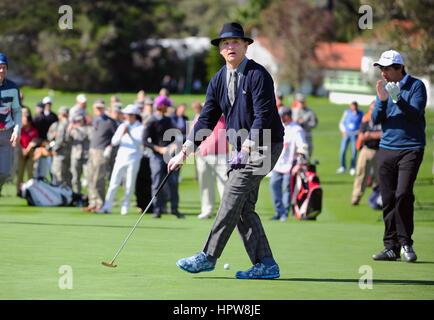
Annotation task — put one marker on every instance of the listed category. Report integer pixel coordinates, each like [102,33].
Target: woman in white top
[128,137]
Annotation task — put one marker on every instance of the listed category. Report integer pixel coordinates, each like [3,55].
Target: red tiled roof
[336,55]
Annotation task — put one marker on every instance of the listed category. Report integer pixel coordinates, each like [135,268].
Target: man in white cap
[42,122]
[128,137]
[79,108]
[400,109]
[46,118]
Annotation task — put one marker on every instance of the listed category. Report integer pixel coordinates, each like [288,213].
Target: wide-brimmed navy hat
[231,30]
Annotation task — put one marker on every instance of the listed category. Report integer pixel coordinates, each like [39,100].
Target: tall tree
[96,53]
[297,26]
[406,26]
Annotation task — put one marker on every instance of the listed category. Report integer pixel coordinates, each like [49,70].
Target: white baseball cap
[81,98]
[131,109]
[47,100]
[388,58]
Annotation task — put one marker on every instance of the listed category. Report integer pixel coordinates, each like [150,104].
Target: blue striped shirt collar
[404,80]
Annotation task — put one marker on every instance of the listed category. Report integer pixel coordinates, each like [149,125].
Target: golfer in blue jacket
[400,109]
[244,92]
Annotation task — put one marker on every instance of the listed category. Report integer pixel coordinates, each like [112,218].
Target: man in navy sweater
[244,92]
[400,109]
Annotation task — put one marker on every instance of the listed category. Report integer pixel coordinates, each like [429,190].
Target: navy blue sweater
[403,122]
[254,108]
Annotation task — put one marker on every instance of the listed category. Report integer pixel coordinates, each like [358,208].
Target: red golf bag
[306,191]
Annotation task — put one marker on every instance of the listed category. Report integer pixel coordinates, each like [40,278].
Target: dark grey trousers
[6,156]
[237,208]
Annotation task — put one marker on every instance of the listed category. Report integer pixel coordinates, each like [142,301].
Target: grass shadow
[88,225]
[332,280]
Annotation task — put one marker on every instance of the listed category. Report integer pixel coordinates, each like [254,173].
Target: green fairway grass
[318,259]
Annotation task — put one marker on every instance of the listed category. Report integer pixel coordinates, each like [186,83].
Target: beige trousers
[366,164]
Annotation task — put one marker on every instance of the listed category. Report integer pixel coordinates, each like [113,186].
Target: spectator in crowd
[164,92]
[211,163]
[116,113]
[170,111]
[368,142]
[80,134]
[104,128]
[349,126]
[294,143]
[129,137]
[60,146]
[45,119]
[154,138]
[80,108]
[306,118]
[113,101]
[180,120]
[28,142]
[141,96]
[10,121]
[42,122]
[143,188]
[400,109]
[148,109]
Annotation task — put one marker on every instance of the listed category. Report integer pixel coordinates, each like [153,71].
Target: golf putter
[111,264]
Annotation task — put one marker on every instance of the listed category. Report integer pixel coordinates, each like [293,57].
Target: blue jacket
[403,122]
[351,121]
[254,108]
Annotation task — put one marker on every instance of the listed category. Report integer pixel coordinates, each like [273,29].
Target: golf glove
[239,160]
[393,89]
[177,161]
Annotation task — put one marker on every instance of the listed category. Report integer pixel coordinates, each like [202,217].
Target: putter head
[109,264]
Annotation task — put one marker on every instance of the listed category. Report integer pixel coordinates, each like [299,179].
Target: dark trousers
[397,171]
[169,191]
[144,185]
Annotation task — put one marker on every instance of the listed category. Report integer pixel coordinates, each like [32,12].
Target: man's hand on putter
[177,161]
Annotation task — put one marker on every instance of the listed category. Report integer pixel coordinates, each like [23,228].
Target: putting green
[318,260]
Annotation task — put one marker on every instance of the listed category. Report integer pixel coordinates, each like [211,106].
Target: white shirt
[130,144]
[294,141]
